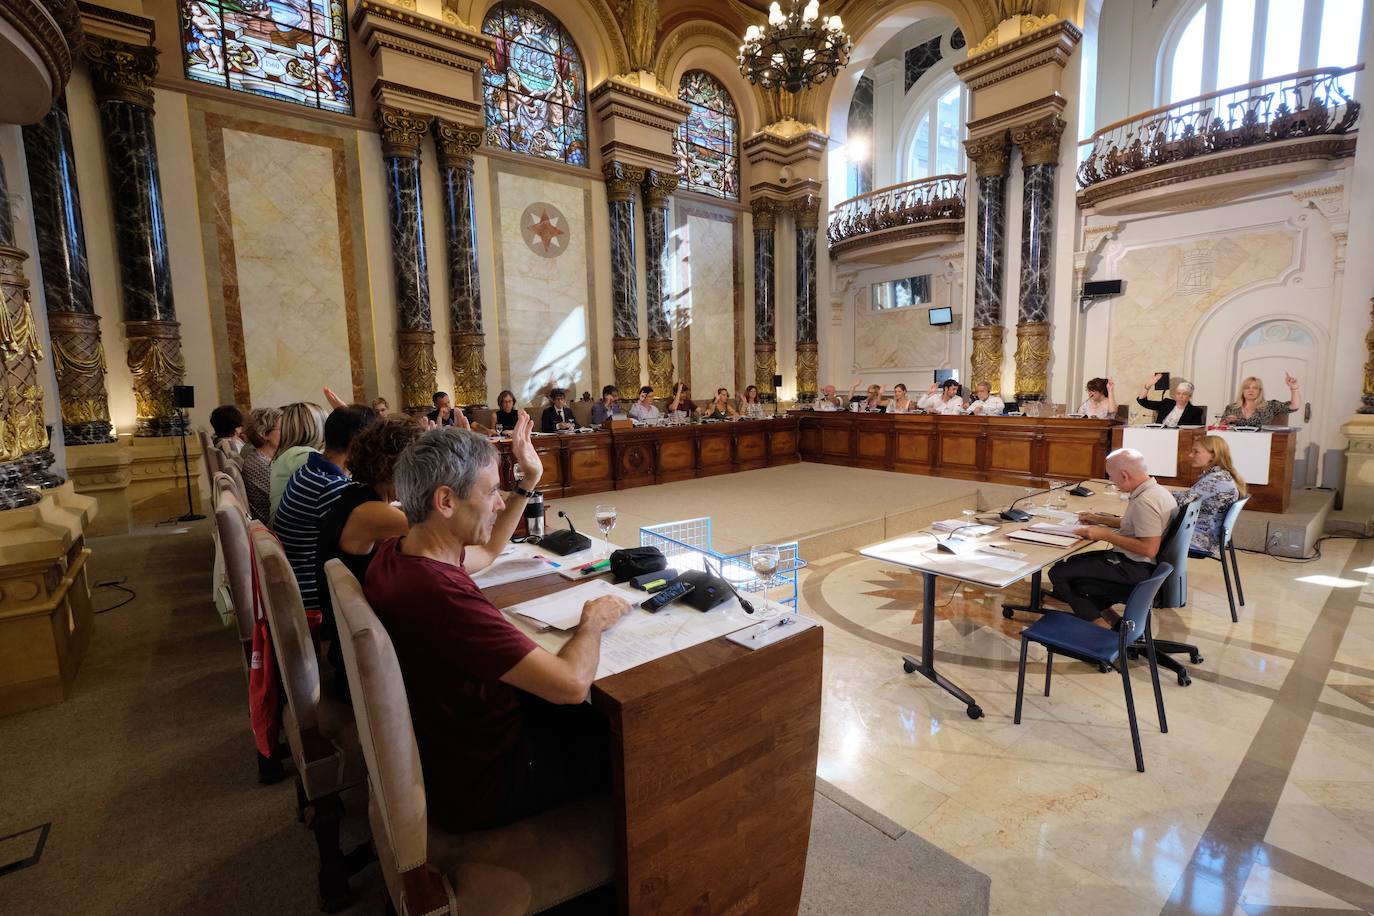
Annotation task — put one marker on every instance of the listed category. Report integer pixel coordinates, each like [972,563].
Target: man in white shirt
[828,399]
[943,399]
[644,408]
[986,404]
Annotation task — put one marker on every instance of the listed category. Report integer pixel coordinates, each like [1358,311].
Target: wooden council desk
[1169,461]
[713,755]
[1024,451]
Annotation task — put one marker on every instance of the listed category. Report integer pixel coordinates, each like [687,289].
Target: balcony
[894,223]
[1285,126]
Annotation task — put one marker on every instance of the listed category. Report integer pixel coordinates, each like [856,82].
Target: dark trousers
[1090,582]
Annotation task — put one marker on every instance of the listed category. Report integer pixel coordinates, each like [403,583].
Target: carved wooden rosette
[986,361]
[21,399]
[469,353]
[660,366]
[990,155]
[765,366]
[808,368]
[157,365]
[78,358]
[1039,140]
[402,131]
[419,371]
[122,72]
[625,353]
[1032,359]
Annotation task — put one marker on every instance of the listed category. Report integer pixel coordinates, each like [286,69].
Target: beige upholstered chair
[485,416]
[525,867]
[230,480]
[319,729]
[207,456]
[582,412]
[232,524]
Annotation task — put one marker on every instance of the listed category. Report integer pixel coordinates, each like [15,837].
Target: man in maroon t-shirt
[501,725]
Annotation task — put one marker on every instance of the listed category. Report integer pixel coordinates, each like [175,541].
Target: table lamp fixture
[796,49]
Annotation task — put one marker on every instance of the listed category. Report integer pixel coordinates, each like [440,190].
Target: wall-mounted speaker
[1097,289]
[184,395]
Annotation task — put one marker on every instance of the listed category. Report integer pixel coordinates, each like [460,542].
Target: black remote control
[668,594]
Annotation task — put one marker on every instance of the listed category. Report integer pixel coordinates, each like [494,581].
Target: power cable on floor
[1316,548]
[118,585]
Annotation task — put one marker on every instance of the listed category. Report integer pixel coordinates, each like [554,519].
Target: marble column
[1039,144]
[990,156]
[24,454]
[765,343]
[123,77]
[78,356]
[467,339]
[658,192]
[402,132]
[806,211]
[622,182]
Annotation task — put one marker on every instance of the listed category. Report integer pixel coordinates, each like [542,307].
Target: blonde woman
[1217,488]
[302,432]
[1251,409]
[900,402]
[264,436]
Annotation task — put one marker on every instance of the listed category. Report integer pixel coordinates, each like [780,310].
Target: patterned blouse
[1217,490]
[1264,414]
[257,481]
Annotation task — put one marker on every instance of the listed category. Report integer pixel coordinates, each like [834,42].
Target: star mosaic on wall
[545,230]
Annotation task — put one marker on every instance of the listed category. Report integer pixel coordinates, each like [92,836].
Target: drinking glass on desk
[968,515]
[765,559]
[605,522]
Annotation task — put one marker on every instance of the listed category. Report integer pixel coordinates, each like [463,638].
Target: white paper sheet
[563,610]
[1049,528]
[515,564]
[767,632]
[1159,446]
[1250,454]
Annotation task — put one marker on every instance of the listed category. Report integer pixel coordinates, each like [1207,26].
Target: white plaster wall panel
[381,279]
[704,296]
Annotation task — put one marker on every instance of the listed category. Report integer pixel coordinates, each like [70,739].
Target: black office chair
[1062,632]
[1228,525]
[1173,549]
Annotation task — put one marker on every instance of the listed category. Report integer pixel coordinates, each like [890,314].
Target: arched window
[293,50]
[533,85]
[708,141]
[859,140]
[937,147]
[1220,44]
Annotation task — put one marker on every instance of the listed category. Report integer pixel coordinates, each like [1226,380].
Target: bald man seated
[1090,583]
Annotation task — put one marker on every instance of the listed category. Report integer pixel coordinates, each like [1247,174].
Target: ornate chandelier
[795,50]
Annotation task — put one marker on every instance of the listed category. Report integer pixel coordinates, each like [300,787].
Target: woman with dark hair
[227,423]
[721,408]
[1101,402]
[752,407]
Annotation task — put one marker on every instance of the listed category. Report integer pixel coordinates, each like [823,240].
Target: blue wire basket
[687,545]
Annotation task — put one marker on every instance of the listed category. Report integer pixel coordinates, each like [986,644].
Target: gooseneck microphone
[720,565]
[1013,514]
[563,515]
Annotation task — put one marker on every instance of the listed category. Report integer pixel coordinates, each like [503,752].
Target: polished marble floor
[1259,799]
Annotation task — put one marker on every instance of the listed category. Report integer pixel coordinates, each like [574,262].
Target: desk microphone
[1013,514]
[573,528]
[720,565]
[951,544]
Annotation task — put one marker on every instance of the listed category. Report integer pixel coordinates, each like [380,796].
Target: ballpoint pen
[781,623]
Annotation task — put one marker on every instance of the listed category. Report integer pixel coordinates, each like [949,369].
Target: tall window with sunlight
[937,146]
[859,140]
[708,141]
[533,85]
[1222,44]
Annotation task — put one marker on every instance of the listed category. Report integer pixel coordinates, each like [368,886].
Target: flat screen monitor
[942,374]
[942,316]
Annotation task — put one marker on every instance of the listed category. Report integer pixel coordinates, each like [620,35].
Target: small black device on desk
[565,542]
[708,590]
[666,595]
[653,581]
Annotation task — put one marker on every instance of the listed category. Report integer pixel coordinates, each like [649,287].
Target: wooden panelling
[835,441]
[751,451]
[715,451]
[590,460]
[634,460]
[782,447]
[810,435]
[1271,497]
[677,455]
[873,446]
[913,447]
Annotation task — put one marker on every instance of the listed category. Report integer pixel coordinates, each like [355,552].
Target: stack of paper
[563,610]
[963,526]
[515,564]
[1044,539]
[1048,528]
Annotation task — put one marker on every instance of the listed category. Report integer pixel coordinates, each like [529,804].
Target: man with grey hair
[500,723]
[1090,583]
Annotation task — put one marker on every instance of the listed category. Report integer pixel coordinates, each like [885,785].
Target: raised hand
[1111,386]
[333,399]
[1156,377]
[1291,381]
[522,450]
[460,419]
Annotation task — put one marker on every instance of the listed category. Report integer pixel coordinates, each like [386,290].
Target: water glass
[605,522]
[765,559]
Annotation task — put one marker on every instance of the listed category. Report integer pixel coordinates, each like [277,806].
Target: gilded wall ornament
[661,366]
[469,351]
[622,180]
[456,143]
[986,360]
[625,355]
[402,131]
[122,72]
[1032,359]
[1039,140]
[419,371]
[991,154]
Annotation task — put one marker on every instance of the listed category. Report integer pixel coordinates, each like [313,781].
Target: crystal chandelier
[795,50]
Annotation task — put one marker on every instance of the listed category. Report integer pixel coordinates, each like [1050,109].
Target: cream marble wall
[703,247]
[286,243]
[546,304]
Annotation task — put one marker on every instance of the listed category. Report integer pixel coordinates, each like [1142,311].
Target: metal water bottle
[534,515]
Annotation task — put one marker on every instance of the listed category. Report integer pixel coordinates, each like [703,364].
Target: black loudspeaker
[777,381]
[1096,289]
[184,395]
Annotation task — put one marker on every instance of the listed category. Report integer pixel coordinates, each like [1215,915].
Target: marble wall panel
[902,338]
[703,248]
[543,300]
[1170,287]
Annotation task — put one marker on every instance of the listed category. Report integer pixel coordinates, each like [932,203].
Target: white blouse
[991,407]
[935,402]
[1097,410]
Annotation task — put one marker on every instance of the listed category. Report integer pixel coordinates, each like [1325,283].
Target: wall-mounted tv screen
[942,316]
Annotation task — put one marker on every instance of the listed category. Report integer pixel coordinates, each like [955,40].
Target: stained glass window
[708,141]
[533,85]
[293,50]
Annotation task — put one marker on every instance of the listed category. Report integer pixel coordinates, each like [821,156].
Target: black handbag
[629,562]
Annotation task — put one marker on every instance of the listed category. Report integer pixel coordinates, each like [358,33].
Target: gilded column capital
[765,210]
[622,180]
[122,72]
[806,210]
[1039,140]
[456,143]
[991,155]
[402,131]
[658,188]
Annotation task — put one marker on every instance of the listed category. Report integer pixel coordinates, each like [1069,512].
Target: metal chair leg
[1049,667]
[1235,568]
[1130,714]
[1230,598]
[1020,681]
[1154,678]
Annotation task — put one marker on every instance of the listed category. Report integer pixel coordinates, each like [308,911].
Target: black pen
[781,623]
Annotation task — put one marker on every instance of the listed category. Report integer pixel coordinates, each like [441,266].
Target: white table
[918,551]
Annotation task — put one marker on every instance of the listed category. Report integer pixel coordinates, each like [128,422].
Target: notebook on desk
[1042,538]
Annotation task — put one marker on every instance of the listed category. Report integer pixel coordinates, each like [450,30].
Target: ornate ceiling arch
[709,46]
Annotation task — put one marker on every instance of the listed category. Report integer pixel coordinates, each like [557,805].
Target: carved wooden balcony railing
[1310,104]
[913,202]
